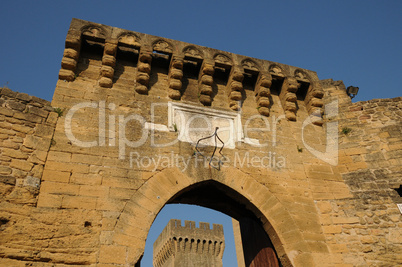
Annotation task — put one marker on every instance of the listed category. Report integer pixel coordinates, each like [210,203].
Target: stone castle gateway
[83,178]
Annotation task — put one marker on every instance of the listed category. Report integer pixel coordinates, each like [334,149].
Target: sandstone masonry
[83,178]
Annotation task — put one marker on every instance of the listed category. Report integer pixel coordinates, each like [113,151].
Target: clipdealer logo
[113,129]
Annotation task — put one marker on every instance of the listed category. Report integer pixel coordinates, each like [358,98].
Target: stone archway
[170,185]
[257,248]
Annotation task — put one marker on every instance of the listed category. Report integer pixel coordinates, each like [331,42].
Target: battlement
[176,239]
[206,76]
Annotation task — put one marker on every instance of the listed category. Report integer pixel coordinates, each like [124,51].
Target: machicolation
[309,178]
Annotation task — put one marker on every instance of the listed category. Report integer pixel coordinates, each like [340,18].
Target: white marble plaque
[194,123]
[400,207]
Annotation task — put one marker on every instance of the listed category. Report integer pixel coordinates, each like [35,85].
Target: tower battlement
[188,243]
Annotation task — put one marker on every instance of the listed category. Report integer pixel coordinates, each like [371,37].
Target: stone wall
[83,188]
[26,130]
[366,228]
[32,236]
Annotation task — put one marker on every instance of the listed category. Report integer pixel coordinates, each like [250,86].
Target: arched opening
[231,191]
[258,250]
[193,213]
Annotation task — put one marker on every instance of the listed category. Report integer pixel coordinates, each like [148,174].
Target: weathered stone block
[112,254]
[335,229]
[7,92]
[28,117]
[6,111]
[4,170]
[44,131]
[121,193]
[10,144]
[88,159]
[22,128]
[23,97]
[85,178]
[52,118]
[94,190]
[59,156]
[38,157]
[122,182]
[78,202]
[109,204]
[56,176]
[32,182]
[14,105]
[50,187]
[21,164]
[13,153]
[6,179]
[49,200]
[345,220]
[324,206]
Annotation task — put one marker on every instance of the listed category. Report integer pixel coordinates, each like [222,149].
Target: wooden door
[257,247]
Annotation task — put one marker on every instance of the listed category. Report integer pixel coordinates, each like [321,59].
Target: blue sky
[358,42]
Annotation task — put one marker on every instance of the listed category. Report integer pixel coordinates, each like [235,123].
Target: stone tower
[189,246]
[83,178]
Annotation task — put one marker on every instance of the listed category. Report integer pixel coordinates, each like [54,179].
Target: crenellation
[178,245]
[189,224]
[204,226]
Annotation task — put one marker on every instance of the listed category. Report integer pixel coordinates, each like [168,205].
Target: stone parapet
[191,61]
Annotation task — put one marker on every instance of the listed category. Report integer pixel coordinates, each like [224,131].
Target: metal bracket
[215,134]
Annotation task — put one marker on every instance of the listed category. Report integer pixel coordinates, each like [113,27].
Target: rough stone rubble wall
[28,234]
[366,228]
[26,129]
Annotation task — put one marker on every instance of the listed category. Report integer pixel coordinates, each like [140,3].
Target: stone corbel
[70,56]
[314,103]
[235,87]
[262,92]
[108,63]
[205,81]
[288,97]
[175,76]
[143,70]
